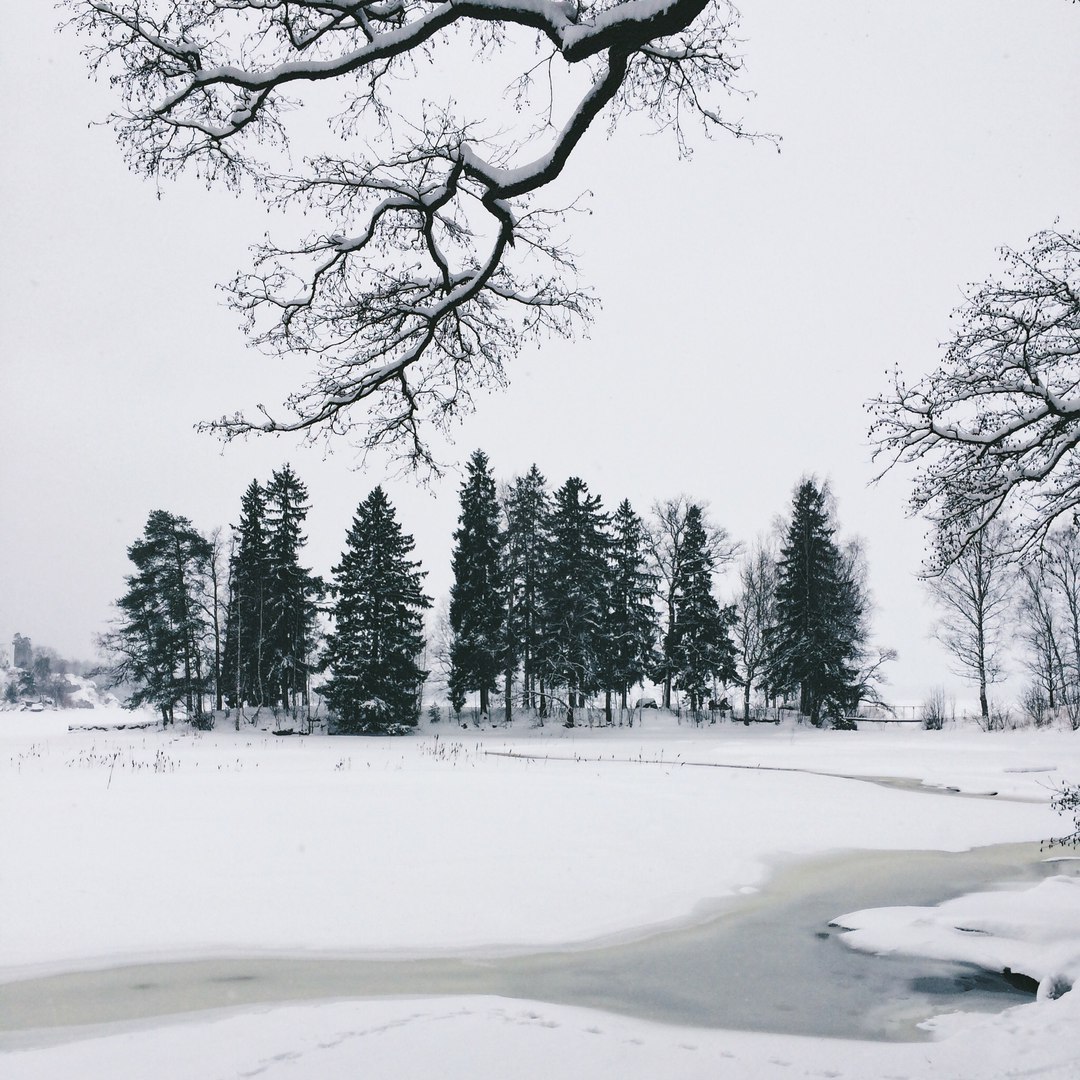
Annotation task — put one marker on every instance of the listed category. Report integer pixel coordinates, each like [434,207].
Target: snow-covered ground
[134,845]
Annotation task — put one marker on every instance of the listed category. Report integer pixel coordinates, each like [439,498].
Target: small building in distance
[22,653]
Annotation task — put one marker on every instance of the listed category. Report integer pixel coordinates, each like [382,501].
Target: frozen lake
[766,961]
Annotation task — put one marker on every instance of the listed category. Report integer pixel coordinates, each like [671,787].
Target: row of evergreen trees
[178,641]
[554,592]
[565,601]
[272,598]
[555,601]
[188,635]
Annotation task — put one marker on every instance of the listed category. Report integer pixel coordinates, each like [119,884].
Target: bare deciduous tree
[1050,614]
[974,594]
[1040,635]
[754,615]
[1061,568]
[435,264]
[994,431]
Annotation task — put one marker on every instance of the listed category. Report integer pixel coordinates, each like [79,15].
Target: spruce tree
[248,656]
[666,538]
[632,618]
[160,642]
[291,590]
[817,636]
[476,595]
[703,649]
[527,510]
[375,681]
[575,589]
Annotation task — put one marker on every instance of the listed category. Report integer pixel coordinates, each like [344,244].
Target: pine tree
[527,508]
[575,589]
[247,659]
[160,643]
[476,596]
[291,591]
[818,634]
[632,618]
[375,681]
[702,650]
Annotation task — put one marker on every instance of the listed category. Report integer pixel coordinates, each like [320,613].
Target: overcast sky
[752,302]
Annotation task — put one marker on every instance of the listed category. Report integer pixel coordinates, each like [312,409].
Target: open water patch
[766,962]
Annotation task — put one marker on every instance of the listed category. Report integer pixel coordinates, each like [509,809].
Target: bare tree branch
[993,432]
[436,267]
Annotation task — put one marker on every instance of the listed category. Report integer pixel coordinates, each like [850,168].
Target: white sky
[753,302]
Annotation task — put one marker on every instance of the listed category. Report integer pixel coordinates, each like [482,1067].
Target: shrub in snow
[1036,706]
[1067,801]
[934,710]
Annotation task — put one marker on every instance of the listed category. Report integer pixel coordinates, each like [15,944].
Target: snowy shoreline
[132,843]
[115,992]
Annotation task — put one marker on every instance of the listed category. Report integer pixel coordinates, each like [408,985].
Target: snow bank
[1032,931]
[485,1038]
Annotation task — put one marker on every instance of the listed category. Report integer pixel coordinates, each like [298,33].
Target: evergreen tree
[527,508]
[818,634]
[160,642]
[702,650]
[247,659]
[291,591]
[666,539]
[575,588]
[476,596]
[632,617]
[375,681]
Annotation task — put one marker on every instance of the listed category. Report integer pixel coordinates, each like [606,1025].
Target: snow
[1035,932]
[469,1038]
[129,845]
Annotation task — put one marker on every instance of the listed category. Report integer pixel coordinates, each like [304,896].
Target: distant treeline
[556,604]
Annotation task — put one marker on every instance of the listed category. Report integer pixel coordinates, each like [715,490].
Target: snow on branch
[993,432]
[435,265]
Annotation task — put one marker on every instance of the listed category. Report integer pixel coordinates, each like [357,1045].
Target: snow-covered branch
[994,431]
[434,266]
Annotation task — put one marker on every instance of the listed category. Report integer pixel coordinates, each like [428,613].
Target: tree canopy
[375,681]
[159,644]
[433,263]
[818,631]
[477,615]
[993,431]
